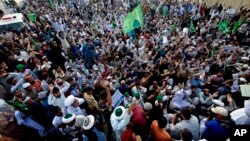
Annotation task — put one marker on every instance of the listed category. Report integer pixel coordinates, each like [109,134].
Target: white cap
[245,66]
[43,66]
[26,100]
[220,111]
[218,102]
[245,58]
[26,85]
[69,100]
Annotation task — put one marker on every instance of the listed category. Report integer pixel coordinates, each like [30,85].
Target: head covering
[123,82]
[28,78]
[26,100]
[220,111]
[206,89]
[44,57]
[42,94]
[169,87]
[137,95]
[43,67]
[119,112]
[59,80]
[147,106]
[26,85]
[126,94]
[243,80]
[69,100]
[88,122]
[20,66]
[95,68]
[164,98]
[68,118]
[68,67]
[218,102]
[244,58]
[109,77]
[159,97]
[13,99]
[245,66]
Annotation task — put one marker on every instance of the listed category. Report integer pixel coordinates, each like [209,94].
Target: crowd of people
[58,74]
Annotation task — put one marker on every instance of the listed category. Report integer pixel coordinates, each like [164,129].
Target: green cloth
[137,95]
[159,97]
[32,17]
[133,20]
[238,24]
[192,28]
[173,28]
[113,24]
[68,116]
[118,112]
[52,4]
[20,66]
[223,26]
[126,94]
[18,106]
[164,11]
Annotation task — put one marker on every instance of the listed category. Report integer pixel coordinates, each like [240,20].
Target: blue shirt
[196,82]
[215,132]
[100,136]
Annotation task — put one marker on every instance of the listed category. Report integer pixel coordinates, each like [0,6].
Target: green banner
[223,26]
[192,28]
[238,24]
[133,20]
[32,17]
[164,10]
[173,28]
[52,4]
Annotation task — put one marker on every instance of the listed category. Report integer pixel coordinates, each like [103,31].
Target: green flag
[18,106]
[238,24]
[113,25]
[173,28]
[164,10]
[223,26]
[192,28]
[52,4]
[133,20]
[32,17]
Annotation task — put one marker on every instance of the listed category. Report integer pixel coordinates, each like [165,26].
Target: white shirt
[141,90]
[57,121]
[76,110]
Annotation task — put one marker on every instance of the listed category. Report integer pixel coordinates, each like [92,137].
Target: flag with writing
[133,20]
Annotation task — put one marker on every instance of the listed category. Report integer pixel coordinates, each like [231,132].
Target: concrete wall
[234,3]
